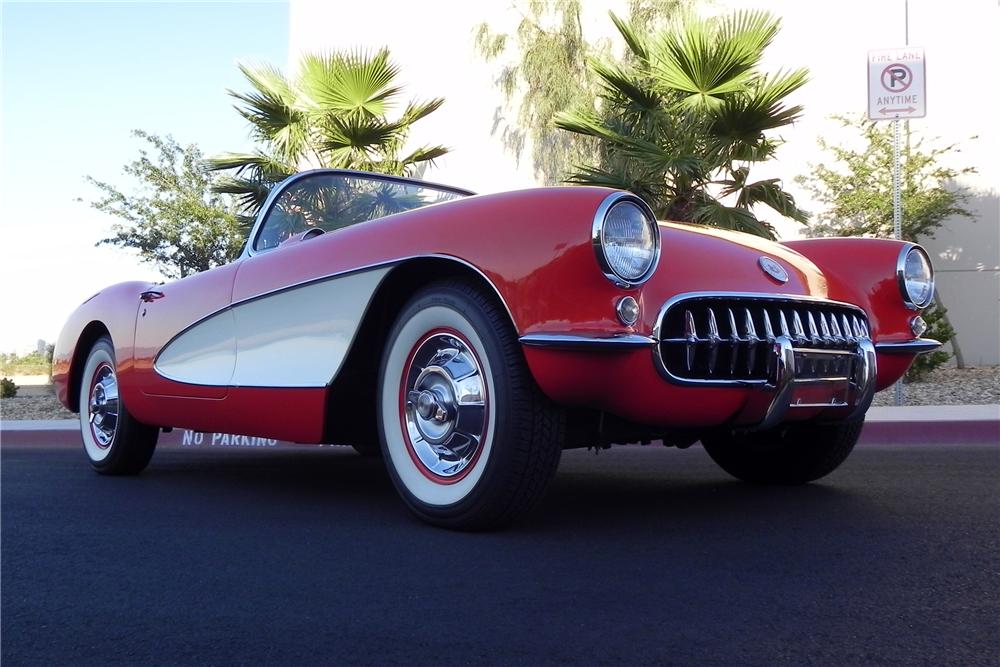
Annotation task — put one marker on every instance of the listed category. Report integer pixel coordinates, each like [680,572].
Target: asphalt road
[638,556]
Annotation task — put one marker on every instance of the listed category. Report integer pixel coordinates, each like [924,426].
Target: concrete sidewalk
[940,424]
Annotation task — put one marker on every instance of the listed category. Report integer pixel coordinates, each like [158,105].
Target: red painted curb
[958,432]
[953,432]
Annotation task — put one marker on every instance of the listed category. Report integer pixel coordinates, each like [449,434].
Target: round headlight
[626,239]
[916,277]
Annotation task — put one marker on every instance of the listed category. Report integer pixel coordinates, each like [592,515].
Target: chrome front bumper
[798,357]
[842,397]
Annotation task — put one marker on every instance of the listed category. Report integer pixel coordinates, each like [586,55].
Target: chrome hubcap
[103,406]
[445,405]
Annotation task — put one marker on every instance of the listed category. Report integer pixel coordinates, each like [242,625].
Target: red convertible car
[471,338]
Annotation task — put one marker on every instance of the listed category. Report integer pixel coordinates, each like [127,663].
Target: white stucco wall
[432,41]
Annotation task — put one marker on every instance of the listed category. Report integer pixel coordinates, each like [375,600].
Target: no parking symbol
[896,84]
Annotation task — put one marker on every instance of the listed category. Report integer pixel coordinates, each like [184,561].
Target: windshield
[332,200]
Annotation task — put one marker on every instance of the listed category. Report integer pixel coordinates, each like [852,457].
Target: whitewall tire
[115,443]
[467,437]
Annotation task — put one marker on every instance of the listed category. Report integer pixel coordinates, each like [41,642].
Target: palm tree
[684,116]
[334,113]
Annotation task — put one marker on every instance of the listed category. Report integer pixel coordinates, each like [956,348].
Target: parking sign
[896,84]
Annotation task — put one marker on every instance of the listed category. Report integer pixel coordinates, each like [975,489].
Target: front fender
[863,272]
[109,312]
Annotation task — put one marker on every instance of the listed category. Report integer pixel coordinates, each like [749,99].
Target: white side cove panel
[294,338]
[204,354]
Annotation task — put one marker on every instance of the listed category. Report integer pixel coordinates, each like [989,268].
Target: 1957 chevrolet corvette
[470,339]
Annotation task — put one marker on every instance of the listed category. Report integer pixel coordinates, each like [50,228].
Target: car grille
[724,338]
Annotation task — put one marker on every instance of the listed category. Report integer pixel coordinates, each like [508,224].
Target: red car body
[532,247]
[534,251]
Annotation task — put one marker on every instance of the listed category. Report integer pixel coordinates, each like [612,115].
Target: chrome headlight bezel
[600,218]
[901,277]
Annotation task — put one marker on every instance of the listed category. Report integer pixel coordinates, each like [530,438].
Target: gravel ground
[948,386]
[33,407]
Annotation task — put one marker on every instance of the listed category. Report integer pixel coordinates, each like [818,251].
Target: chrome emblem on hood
[773,269]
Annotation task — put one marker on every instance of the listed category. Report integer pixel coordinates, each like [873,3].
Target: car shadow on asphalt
[629,487]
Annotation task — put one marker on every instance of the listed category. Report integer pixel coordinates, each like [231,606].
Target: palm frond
[586,175]
[417,110]
[358,133]
[715,214]
[249,193]
[352,83]
[424,154]
[271,108]
[770,193]
[749,31]
[617,82]
[633,39]
[708,61]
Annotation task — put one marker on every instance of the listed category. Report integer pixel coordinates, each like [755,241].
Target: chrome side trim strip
[569,341]
[916,346]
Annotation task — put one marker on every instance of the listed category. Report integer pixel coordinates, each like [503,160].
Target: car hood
[699,258]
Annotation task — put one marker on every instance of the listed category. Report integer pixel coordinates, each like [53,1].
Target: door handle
[151,295]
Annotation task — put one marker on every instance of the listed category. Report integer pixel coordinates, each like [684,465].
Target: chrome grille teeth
[847,329]
[691,334]
[835,329]
[768,331]
[713,341]
[713,328]
[748,328]
[734,337]
[690,331]
[824,328]
[751,333]
[800,333]
[856,325]
[806,326]
[813,332]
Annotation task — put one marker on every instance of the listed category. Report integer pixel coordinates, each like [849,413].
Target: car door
[185,344]
[294,313]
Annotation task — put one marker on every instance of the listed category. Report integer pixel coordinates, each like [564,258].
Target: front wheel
[793,454]
[115,443]
[468,439]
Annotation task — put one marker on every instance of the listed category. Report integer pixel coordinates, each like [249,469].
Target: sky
[75,79]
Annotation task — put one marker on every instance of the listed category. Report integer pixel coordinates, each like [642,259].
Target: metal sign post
[897,89]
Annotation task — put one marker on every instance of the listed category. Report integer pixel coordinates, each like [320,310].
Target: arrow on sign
[883,110]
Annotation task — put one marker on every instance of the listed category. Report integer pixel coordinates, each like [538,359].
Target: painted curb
[908,425]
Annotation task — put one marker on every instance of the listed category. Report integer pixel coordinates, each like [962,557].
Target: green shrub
[7,388]
[938,328]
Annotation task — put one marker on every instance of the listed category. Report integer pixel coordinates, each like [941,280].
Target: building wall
[433,42]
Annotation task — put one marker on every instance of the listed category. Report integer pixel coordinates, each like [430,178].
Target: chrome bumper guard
[850,395]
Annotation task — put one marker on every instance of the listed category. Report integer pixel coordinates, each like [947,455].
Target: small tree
[856,190]
[7,388]
[170,215]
